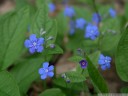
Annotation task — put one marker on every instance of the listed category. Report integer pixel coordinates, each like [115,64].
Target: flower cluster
[104,61]
[34,44]
[46,71]
[91,32]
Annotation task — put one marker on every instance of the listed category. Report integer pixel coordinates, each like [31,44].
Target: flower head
[34,44]
[92,32]
[52,46]
[52,7]
[80,23]
[72,27]
[96,18]
[69,11]
[68,80]
[112,12]
[46,71]
[104,61]
[83,64]
[63,75]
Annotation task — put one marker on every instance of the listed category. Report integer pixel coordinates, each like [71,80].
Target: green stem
[82,71]
[99,41]
[94,6]
[44,85]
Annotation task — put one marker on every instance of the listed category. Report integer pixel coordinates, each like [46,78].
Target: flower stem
[82,71]
[44,84]
[94,6]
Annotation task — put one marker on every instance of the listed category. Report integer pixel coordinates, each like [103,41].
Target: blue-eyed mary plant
[32,41]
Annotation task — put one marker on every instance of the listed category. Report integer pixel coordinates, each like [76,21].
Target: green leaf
[81,13]
[52,92]
[8,86]
[110,28]
[126,10]
[76,59]
[106,44]
[41,20]
[121,56]
[62,23]
[21,3]
[26,72]
[72,45]
[52,32]
[96,77]
[124,90]
[94,58]
[89,46]
[50,51]
[12,32]
[75,76]
[74,86]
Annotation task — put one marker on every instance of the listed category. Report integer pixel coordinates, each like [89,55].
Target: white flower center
[46,70]
[92,31]
[83,63]
[34,43]
[107,61]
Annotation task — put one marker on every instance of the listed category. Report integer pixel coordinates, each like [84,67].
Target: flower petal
[41,71]
[108,65]
[50,74]
[27,43]
[108,58]
[40,48]
[102,57]
[103,67]
[40,41]
[33,37]
[32,50]
[87,35]
[93,37]
[45,65]
[44,76]
[101,62]
[51,68]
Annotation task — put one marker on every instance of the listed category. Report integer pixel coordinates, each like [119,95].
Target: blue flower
[68,80]
[34,44]
[83,64]
[112,12]
[52,7]
[92,32]
[96,18]
[72,27]
[104,61]
[46,71]
[69,11]
[80,23]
